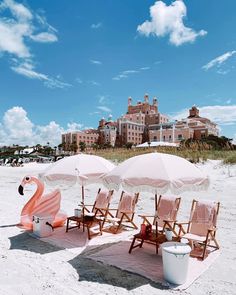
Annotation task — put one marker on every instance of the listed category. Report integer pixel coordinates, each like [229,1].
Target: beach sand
[33,266]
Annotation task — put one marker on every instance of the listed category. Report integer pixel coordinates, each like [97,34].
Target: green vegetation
[230,159]
[121,154]
[211,147]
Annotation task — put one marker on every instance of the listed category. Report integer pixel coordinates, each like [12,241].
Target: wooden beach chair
[166,209]
[124,214]
[100,210]
[101,204]
[201,227]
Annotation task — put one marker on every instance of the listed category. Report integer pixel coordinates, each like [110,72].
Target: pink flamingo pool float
[39,204]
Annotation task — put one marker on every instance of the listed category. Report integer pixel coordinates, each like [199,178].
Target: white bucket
[169,234]
[42,225]
[175,257]
[77,212]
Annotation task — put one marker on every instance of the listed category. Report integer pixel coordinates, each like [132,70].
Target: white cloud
[50,133]
[12,36]
[18,10]
[219,60]
[104,109]
[44,37]
[17,128]
[102,99]
[145,68]
[119,77]
[78,80]
[27,69]
[74,127]
[168,20]
[94,83]
[220,114]
[96,26]
[16,30]
[125,74]
[95,62]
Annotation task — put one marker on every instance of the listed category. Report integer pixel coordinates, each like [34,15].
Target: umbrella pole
[83,206]
[156,202]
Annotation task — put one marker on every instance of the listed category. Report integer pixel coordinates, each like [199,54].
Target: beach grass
[120,154]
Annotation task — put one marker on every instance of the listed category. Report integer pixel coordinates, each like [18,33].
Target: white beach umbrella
[83,169]
[157,173]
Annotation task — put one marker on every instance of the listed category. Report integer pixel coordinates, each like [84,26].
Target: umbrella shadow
[26,242]
[94,271]
[59,240]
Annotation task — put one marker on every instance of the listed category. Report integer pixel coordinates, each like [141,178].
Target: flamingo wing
[48,205]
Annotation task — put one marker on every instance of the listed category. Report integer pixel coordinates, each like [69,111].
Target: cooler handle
[49,224]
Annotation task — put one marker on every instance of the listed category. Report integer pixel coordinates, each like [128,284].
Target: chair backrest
[166,208]
[127,204]
[102,200]
[203,216]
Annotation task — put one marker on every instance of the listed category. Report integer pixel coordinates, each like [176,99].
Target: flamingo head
[26,180]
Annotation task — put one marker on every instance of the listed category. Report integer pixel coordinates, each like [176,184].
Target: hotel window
[180,136]
[169,137]
[164,138]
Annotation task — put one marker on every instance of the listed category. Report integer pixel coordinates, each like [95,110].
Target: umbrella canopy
[157,173]
[83,169]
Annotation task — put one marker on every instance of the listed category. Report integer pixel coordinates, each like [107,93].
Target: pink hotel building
[142,123]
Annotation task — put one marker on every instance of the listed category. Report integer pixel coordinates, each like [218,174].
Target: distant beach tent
[157,173]
[83,169]
[157,143]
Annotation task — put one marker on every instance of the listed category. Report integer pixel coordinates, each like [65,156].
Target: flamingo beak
[21,190]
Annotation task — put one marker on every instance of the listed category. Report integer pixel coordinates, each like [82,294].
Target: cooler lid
[43,216]
[176,248]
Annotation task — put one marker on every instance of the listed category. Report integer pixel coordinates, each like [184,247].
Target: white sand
[33,266]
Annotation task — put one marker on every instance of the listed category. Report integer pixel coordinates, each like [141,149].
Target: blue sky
[66,64]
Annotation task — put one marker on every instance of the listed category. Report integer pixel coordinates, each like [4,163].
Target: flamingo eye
[27,178]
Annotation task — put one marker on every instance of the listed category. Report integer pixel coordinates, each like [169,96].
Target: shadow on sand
[92,271]
[26,242]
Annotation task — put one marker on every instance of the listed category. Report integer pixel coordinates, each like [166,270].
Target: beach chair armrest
[213,228]
[170,220]
[127,212]
[181,223]
[145,215]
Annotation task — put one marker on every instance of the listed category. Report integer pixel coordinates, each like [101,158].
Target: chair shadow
[94,271]
[26,242]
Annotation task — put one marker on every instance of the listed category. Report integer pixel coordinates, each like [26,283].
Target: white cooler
[175,257]
[42,225]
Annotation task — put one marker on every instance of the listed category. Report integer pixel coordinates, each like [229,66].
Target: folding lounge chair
[166,209]
[124,213]
[101,205]
[201,228]
[100,210]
